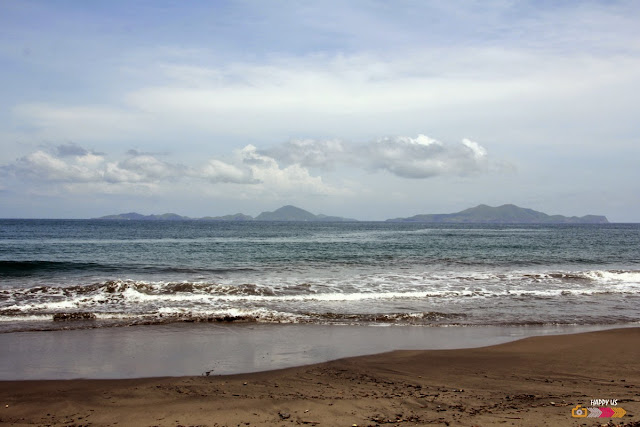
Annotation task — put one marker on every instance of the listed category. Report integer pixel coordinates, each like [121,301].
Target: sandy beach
[534,381]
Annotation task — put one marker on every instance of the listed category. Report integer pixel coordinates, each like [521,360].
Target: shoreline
[531,381]
[188,349]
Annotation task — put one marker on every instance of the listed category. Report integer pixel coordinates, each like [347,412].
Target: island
[481,214]
[287,213]
[292,213]
[505,214]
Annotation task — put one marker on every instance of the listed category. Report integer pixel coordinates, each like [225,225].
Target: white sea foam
[25,318]
[318,299]
[630,277]
[42,306]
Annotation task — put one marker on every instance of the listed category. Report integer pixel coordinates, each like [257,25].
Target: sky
[363,109]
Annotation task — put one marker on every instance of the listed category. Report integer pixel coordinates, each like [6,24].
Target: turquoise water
[88,273]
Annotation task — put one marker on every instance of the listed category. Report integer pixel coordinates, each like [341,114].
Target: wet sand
[531,382]
[187,349]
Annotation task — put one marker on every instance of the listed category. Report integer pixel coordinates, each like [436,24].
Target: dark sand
[532,382]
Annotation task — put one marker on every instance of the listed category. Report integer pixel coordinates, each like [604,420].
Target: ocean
[86,274]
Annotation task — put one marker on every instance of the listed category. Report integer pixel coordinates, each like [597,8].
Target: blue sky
[363,109]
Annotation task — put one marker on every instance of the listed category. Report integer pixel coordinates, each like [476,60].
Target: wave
[362,287]
[172,315]
[428,298]
[36,267]
[25,268]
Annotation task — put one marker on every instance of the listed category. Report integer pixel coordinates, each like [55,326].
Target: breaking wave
[408,299]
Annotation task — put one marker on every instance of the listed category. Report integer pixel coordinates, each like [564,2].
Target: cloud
[142,168]
[41,165]
[78,168]
[422,157]
[537,83]
[406,157]
[280,172]
[310,152]
[354,95]
[219,171]
[70,149]
[288,180]
[74,164]
[134,152]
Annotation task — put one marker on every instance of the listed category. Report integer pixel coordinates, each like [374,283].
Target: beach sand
[532,382]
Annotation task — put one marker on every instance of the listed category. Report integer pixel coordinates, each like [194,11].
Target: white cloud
[76,168]
[478,151]
[149,168]
[311,153]
[44,166]
[293,179]
[423,157]
[219,171]
[419,157]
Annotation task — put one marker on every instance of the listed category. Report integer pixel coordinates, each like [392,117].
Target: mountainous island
[285,213]
[505,214]
[481,214]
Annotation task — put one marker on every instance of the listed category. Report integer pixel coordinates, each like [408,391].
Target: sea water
[83,274]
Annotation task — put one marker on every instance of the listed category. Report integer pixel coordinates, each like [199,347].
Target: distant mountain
[481,214]
[285,213]
[140,217]
[292,213]
[234,217]
[505,214]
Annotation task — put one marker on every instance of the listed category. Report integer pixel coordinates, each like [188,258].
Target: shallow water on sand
[194,349]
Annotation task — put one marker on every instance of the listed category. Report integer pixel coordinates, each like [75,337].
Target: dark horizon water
[75,274]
